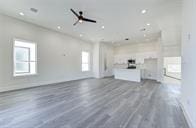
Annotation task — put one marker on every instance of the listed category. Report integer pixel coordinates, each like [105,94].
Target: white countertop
[127,74]
[126,69]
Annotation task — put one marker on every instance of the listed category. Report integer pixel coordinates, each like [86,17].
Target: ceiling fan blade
[76,22]
[89,20]
[74,12]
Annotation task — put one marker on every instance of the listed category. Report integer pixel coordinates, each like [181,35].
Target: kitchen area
[131,62]
[131,73]
[137,65]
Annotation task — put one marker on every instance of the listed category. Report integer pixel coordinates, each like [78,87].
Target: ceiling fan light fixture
[80,21]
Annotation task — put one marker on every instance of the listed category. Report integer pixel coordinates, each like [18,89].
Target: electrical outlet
[188,102]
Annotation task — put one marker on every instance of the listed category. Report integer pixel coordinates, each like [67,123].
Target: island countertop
[128,74]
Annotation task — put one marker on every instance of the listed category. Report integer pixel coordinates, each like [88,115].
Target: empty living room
[97,64]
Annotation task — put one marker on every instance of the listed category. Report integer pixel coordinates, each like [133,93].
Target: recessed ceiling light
[59,27]
[103,27]
[148,24]
[143,29]
[143,11]
[81,35]
[21,13]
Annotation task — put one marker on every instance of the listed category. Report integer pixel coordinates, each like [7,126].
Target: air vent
[34,10]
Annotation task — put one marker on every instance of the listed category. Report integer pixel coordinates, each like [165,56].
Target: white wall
[150,66]
[172,50]
[106,59]
[160,73]
[96,60]
[171,40]
[53,66]
[189,60]
[103,60]
[135,48]
[171,27]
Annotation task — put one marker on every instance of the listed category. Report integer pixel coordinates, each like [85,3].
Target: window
[172,64]
[25,58]
[85,61]
[174,68]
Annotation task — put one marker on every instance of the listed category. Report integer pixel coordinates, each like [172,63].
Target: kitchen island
[128,74]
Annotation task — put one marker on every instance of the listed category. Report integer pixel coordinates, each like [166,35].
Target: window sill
[23,75]
[85,71]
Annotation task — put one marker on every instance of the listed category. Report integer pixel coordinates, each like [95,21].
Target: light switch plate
[189,36]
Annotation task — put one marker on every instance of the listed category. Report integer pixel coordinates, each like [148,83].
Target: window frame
[89,62]
[15,74]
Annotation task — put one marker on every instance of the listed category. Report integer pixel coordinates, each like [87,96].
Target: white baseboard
[187,117]
[42,83]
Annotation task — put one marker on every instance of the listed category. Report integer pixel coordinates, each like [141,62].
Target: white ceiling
[121,18]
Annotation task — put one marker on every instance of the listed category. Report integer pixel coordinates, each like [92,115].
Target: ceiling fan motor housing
[80,12]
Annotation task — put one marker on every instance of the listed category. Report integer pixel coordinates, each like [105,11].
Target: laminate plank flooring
[93,103]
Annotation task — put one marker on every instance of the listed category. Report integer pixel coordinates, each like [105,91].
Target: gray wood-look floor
[93,103]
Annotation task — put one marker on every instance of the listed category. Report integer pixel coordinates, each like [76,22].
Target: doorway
[172,70]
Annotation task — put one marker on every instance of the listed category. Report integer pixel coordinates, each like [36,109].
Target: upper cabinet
[139,57]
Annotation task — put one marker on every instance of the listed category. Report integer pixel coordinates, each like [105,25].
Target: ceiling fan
[81,18]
